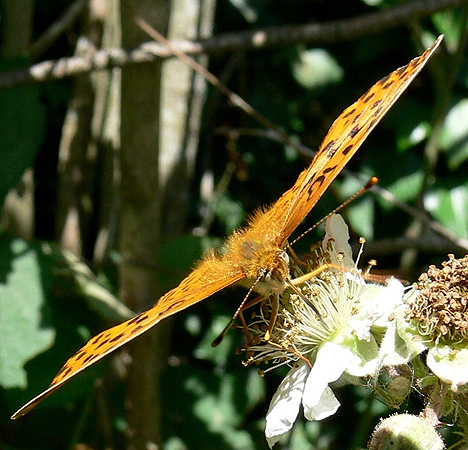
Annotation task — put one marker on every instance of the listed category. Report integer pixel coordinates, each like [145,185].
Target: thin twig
[440,229]
[428,243]
[64,22]
[336,31]
[423,217]
[235,99]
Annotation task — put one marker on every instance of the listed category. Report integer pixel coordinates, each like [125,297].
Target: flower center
[298,330]
[440,310]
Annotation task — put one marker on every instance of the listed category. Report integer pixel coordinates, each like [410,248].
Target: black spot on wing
[80,355]
[88,358]
[349,113]
[354,131]
[116,338]
[377,111]
[134,320]
[400,72]
[96,339]
[369,97]
[170,307]
[371,124]
[138,328]
[65,371]
[142,318]
[104,342]
[319,180]
[383,80]
[330,148]
[348,149]
[389,84]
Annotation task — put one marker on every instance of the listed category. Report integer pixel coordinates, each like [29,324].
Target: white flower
[322,347]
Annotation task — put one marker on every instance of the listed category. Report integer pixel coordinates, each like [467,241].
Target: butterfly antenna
[372,182]
[221,335]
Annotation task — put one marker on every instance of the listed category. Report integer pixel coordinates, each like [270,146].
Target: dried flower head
[433,318]
[440,308]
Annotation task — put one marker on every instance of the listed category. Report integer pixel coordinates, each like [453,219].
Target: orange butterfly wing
[183,296]
[213,274]
[345,136]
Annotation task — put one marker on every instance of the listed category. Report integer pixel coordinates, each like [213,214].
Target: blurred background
[114,181]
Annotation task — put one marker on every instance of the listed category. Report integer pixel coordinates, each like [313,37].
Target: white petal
[285,404]
[326,407]
[448,365]
[399,344]
[336,229]
[330,364]
[376,306]
[389,298]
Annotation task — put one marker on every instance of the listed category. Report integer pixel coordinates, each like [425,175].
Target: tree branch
[336,31]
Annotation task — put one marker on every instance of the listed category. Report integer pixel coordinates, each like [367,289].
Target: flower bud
[405,432]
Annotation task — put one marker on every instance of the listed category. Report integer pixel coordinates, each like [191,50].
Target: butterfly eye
[264,274]
[282,255]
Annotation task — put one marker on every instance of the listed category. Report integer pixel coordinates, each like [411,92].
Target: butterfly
[255,256]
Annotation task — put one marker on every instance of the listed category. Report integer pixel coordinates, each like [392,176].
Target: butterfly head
[272,275]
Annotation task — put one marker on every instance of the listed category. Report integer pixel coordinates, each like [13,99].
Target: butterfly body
[255,256]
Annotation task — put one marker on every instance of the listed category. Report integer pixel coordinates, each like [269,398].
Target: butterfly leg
[273,315]
[296,258]
[244,305]
[293,351]
[315,272]
[245,329]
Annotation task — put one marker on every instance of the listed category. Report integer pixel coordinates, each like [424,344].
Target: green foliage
[450,207]
[51,302]
[316,68]
[25,319]
[454,136]
[22,130]
[44,317]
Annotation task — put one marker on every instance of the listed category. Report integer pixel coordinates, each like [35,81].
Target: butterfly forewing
[266,233]
[199,285]
[345,136]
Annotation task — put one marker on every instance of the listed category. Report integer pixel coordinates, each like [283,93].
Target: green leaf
[407,187]
[44,319]
[454,135]
[450,24]
[24,314]
[450,207]
[217,411]
[220,354]
[316,68]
